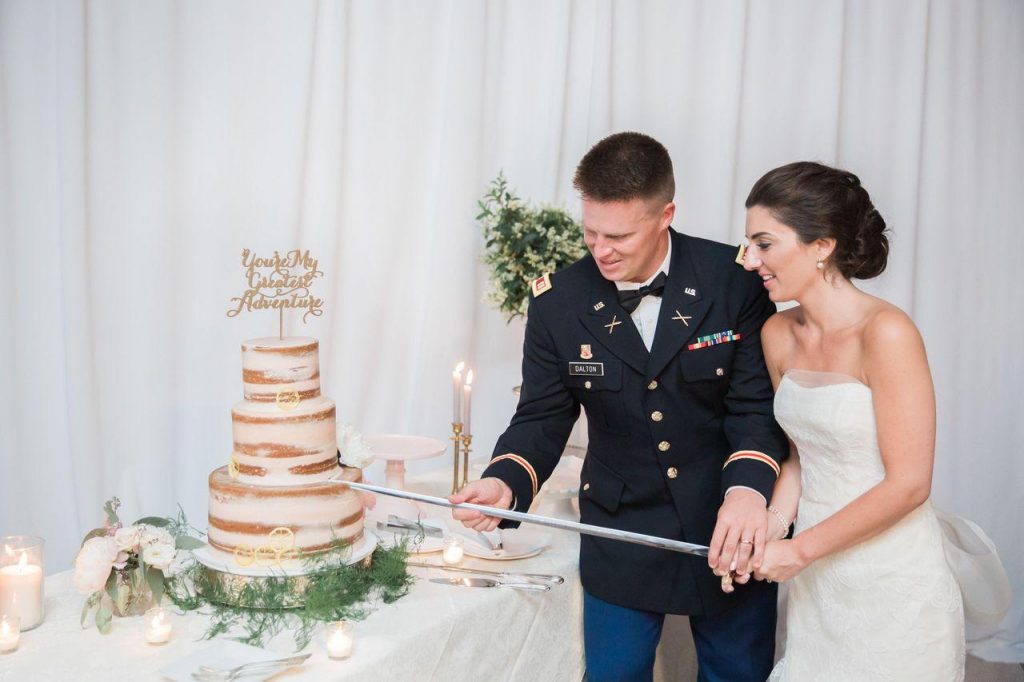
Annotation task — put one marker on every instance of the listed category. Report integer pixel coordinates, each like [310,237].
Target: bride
[871,596]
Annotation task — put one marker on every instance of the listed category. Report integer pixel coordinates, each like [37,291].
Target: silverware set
[210,674]
[503,578]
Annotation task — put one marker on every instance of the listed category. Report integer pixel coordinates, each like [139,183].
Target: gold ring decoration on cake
[287,399]
[233,468]
[267,556]
[281,539]
[244,555]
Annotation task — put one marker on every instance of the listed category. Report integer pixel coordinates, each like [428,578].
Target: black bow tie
[630,298]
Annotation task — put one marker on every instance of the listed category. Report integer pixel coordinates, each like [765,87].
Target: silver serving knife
[489,582]
[543,577]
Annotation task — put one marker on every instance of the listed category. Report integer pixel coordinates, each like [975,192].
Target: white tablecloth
[436,632]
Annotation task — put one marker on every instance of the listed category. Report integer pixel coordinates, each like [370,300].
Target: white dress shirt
[645,317]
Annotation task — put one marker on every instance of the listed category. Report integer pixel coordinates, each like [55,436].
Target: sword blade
[572,526]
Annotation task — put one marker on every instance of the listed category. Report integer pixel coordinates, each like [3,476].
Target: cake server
[543,577]
[573,526]
[489,582]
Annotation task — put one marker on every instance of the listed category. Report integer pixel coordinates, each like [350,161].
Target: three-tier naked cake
[283,472]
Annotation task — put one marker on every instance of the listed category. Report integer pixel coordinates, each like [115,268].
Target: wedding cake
[283,472]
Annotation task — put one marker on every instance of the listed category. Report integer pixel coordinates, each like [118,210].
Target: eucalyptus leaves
[123,569]
[523,243]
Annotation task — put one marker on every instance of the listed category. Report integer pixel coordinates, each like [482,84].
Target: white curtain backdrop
[144,144]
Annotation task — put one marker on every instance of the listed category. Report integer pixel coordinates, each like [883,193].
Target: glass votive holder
[10,633]
[453,550]
[338,638]
[21,578]
[158,625]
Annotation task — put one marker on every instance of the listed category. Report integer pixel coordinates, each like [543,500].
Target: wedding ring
[746,542]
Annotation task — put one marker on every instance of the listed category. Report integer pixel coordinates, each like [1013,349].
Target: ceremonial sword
[583,528]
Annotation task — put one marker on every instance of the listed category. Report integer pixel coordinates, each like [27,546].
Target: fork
[212,674]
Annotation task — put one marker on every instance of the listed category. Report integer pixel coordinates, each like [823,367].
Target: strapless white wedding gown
[888,608]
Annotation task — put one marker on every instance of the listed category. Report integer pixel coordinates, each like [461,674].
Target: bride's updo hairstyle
[819,202]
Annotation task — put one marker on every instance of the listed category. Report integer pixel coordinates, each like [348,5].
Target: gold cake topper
[279,281]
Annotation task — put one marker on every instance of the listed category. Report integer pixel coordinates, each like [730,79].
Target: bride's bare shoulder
[783,322]
[887,328]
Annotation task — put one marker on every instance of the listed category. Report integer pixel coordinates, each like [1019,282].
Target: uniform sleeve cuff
[518,474]
[750,469]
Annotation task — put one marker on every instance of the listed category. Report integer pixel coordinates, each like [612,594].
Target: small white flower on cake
[355,452]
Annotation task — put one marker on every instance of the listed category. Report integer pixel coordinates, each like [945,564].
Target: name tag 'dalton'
[590,369]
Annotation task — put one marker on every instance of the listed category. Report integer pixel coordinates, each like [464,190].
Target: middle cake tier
[275,446]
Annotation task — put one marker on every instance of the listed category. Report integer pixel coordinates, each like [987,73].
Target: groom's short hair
[626,166]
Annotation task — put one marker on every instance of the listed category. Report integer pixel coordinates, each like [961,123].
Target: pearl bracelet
[781,519]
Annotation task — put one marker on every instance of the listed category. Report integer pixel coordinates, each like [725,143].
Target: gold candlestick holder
[467,439]
[457,439]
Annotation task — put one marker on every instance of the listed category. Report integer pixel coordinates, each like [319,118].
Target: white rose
[355,452]
[127,538]
[159,556]
[93,564]
[154,535]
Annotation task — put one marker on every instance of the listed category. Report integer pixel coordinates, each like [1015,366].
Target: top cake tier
[272,365]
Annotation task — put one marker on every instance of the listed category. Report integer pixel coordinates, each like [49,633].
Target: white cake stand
[397,450]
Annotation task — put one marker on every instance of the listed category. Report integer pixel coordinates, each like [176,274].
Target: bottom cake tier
[243,516]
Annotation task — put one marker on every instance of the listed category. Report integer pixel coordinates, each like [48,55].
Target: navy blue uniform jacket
[669,430]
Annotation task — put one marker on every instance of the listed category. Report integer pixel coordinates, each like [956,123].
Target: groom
[656,335]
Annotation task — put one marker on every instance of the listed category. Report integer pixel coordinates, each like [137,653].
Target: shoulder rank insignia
[541,285]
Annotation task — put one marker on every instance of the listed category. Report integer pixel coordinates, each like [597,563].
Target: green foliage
[523,243]
[334,591]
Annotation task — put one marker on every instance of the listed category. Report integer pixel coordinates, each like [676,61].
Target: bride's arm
[785,497]
[904,406]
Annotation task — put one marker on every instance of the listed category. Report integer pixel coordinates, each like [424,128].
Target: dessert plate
[224,653]
[417,544]
[518,543]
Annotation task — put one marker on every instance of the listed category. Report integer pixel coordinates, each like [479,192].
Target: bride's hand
[782,560]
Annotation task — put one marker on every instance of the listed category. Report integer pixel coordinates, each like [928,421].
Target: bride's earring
[821,265]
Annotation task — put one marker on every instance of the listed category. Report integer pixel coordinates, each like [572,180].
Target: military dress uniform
[670,429]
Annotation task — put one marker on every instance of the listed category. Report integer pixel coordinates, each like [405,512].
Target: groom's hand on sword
[737,545]
[491,492]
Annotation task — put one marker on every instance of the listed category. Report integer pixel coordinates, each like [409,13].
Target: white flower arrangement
[522,244]
[353,448]
[122,568]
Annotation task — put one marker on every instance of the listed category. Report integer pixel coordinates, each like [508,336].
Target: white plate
[224,653]
[222,561]
[518,543]
[425,545]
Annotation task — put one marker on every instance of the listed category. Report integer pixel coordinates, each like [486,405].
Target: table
[436,632]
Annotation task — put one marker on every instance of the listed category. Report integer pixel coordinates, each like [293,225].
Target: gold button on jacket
[657,416]
[653,385]
[672,472]
[664,446]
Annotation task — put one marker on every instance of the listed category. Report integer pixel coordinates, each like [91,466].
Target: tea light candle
[339,640]
[10,633]
[453,552]
[21,589]
[158,626]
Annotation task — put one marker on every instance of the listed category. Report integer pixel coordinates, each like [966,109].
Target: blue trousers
[737,646]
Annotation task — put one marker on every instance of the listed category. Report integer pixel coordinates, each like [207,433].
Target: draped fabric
[144,145]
